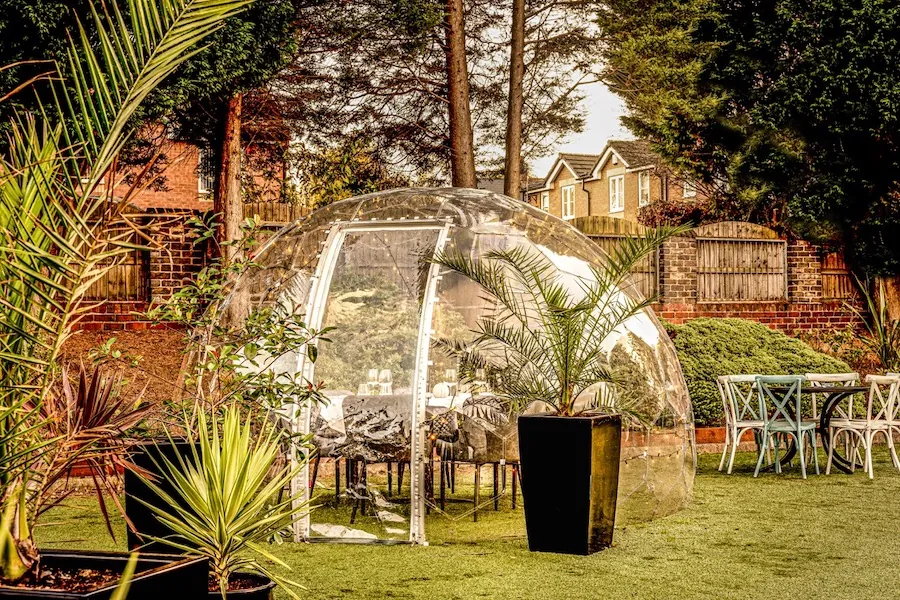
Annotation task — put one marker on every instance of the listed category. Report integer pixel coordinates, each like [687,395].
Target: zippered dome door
[374,286]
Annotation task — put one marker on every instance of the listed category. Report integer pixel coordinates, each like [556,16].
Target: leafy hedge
[708,348]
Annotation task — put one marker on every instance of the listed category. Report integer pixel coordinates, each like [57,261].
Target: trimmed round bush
[709,347]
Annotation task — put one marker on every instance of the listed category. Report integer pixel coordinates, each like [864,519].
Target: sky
[603,111]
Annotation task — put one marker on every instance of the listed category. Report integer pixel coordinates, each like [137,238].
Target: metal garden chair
[741,407]
[880,410]
[781,411]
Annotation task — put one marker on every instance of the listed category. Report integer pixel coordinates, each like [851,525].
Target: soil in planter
[237,582]
[67,580]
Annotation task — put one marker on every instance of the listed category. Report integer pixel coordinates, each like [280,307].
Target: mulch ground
[150,358]
[61,579]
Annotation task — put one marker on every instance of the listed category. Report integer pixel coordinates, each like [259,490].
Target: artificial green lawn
[777,536]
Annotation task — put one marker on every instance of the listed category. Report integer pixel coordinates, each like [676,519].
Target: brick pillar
[804,267]
[177,260]
[678,271]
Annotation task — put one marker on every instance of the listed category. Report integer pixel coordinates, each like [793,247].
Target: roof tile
[583,164]
[635,153]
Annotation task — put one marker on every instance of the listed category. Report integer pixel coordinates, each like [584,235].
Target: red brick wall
[177,260]
[115,316]
[787,317]
[678,271]
[804,265]
[805,310]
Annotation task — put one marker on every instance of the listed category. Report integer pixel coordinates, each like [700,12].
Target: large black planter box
[143,519]
[570,478]
[156,576]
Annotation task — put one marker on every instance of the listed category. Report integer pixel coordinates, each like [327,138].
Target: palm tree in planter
[228,500]
[60,231]
[542,344]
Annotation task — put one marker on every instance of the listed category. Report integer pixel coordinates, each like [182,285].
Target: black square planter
[155,576]
[143,519]
[570,479]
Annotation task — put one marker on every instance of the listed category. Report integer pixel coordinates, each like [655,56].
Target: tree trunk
[228,203]
[462,153]
[891,285]
[512,173]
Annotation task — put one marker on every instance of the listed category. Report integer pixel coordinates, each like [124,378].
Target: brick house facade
[615,183]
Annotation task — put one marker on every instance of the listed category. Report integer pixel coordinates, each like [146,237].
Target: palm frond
[544,337]
[225,499]
[130,58]
[58,236]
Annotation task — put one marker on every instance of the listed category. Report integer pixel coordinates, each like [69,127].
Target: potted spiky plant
[60,231]
[227,501]
[83,423]
[543,345]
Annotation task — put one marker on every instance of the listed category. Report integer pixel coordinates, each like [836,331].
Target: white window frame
[545,201]
[689,190]
[568,202]
[643,188]
[204,155]
[616,194]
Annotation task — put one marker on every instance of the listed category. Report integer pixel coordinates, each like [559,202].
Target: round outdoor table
[833,396]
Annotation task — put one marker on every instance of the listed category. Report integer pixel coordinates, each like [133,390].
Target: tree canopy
[244,54]
[789,108]
[384,62]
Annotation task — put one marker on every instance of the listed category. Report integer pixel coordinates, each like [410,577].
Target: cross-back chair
[741,408]
[880,414]
[827,380]
[782,414]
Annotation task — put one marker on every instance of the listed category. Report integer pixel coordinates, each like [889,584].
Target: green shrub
[708,348]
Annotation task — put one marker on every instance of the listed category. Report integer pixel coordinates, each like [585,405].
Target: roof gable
[580,165]
[634,154]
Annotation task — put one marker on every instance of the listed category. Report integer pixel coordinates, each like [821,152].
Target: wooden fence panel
[837,284]
[275,213]
[741,270]
[644,275]
[608,233]
[127,281]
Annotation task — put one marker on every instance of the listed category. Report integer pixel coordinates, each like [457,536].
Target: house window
[568,202]
[643,188]
[616,194]
[206,171]
[690,189]
[545,201]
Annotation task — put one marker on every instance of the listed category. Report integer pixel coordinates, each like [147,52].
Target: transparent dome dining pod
[364,267]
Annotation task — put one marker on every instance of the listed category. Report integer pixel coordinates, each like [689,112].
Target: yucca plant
[883,333]
[543,340]
[228,498]
[60,231]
